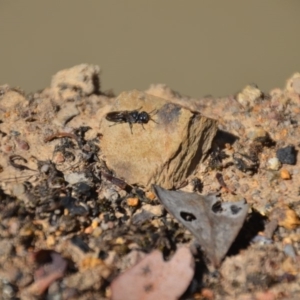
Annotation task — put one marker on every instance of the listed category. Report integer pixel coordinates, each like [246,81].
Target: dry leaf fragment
[154,278]
[215,224]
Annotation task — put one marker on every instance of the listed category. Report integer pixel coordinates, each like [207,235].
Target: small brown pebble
[95,224]
[108,293]
[156,210]
[18,189]
[13,226]
[151,196]
[295,237]
[285,174]
[207,294]
[7,148]
[156,223]
[119,214]
[120,241]
[110,224]
[289,266]
[90,262]
[26,231]
[97,232]
[244,188]
[50,241]
[58,158]
[88,230]
[285,216]
[23,145]
[132,201]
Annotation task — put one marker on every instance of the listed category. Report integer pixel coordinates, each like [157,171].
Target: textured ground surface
[69,225]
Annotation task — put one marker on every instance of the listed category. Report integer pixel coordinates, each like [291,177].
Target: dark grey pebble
[287,155]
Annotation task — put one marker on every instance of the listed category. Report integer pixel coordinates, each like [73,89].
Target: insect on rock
[130,117]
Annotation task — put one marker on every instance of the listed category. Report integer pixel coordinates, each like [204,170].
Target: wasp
[130,117]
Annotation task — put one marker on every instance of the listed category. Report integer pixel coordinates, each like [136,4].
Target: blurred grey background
[196,47]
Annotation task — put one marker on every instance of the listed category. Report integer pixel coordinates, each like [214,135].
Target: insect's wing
[215,229]
[116,116]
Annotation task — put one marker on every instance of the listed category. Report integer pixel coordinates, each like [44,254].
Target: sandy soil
[70,226]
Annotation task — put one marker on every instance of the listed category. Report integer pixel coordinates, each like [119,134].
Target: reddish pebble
[22,144]
[132,201]
[59,158]
[285,174]
[207,294]
[268,295]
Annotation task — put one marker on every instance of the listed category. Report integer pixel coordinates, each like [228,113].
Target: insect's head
[144,117]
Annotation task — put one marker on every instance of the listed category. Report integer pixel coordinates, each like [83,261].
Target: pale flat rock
[166,151]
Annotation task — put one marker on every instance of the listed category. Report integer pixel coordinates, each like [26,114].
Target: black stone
[287,155]
[80,243]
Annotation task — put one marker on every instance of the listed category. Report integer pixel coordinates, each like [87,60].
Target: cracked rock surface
[165,151]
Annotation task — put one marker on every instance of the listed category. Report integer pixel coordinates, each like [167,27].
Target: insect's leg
[143,126]
[113,124]
[153,113]
[130,126]
[154,121]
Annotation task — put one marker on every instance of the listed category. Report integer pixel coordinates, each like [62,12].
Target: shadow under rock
[255,223]
[223,137]
[197,281]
